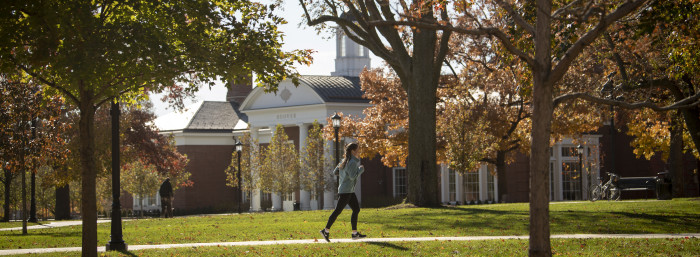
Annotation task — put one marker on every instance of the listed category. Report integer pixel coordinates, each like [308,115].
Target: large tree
[416,55]
[110,49]
[31,131]
[556,38]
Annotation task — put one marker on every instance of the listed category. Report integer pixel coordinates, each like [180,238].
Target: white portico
[315,99]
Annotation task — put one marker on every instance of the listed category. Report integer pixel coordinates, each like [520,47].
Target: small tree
[141,179]
[280,168]
[315,164]
[250,165]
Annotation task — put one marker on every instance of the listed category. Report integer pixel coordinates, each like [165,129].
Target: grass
[15,224]
[560,247]
[602,217]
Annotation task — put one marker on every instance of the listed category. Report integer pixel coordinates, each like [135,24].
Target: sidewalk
[54,224]
[314,241]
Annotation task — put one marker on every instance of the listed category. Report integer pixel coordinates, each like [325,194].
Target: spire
[351,57]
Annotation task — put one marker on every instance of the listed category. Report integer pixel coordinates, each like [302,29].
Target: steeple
[350,57]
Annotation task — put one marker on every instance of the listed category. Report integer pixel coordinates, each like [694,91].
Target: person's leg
[342,201]
[163,207]
[355,206]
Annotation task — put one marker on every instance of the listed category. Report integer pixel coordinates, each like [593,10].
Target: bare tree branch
[517,17]
[46,81]
[688,102]
[588,38]
[488,31]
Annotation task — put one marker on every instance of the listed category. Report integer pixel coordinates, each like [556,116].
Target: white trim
[201,138]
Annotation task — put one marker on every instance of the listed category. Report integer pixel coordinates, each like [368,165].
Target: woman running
[349,170]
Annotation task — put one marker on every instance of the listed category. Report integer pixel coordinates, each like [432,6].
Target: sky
[296,37]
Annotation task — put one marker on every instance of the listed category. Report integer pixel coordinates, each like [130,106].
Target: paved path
[54,224]
[314,241]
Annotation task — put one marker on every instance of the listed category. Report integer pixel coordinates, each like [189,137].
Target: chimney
[239,90]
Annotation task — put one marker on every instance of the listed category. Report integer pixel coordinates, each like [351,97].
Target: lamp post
[336,126]
[239,148]
[32,202]
[579,149]
[607,90]
[116,242]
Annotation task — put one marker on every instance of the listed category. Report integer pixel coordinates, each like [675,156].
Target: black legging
[345,199]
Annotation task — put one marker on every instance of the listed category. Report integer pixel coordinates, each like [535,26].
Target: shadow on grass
[390,245]
[128,253]
[568,220]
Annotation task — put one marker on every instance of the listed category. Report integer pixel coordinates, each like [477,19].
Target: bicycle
[606,191]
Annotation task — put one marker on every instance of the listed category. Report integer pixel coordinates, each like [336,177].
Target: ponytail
[348,153]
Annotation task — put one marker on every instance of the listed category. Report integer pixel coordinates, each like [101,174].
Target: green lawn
[14,224]
[676,216]
[560,247]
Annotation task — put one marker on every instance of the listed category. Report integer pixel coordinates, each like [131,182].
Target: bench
[641,183]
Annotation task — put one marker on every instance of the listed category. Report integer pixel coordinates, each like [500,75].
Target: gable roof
[209,116]
[336,88]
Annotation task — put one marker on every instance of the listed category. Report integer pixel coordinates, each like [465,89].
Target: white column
[459,188]
[329,195]
[445,184]
[305,201]
[255,205]
[483,183]
[276,202]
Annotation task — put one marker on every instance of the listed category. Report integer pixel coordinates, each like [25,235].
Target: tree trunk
[675,156]
[88,208]
[6,205]
[541,130]
[501,175]
[422,90]
[62,203]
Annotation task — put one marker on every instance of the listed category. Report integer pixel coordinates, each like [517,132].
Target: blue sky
[296,37]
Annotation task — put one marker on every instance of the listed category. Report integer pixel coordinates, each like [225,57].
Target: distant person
[166,199]
[348,170]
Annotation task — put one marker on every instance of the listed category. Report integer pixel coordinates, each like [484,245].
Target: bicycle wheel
[615,194]
[595,193]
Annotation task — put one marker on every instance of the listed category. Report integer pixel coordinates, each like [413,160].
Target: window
[400,182]
[471,186]
[571,180]
[452,185]
[360,50]
[146,202]
[569,151]
[490,187]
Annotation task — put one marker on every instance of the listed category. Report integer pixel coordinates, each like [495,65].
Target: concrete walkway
[320,241]
[54,224]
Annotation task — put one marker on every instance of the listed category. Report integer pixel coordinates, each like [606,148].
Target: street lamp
[239,148]
[32,204]
[579,149]
[116,242]
[336,126]
[607,91]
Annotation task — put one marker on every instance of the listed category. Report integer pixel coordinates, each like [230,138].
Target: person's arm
[354,169]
